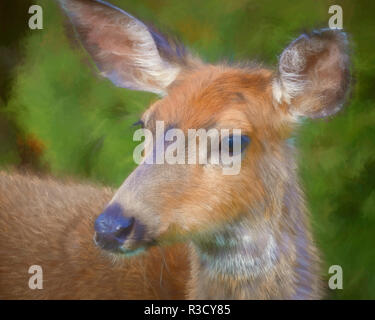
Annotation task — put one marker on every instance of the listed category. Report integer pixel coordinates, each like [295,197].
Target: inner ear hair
[314,74]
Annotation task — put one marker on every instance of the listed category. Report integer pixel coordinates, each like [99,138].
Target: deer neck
[233,256]
[236,241]
[247,260]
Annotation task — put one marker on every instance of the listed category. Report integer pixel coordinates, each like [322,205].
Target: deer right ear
[314,74]
[125,50]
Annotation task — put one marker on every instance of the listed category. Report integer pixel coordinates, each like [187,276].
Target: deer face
[161,203]
[176,201]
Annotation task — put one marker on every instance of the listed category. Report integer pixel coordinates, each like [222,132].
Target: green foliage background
[84,123]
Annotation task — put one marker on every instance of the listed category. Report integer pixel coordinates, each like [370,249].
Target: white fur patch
[288,85]
[245,258]
[290,82]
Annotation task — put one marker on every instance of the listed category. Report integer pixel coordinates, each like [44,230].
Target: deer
[182,231]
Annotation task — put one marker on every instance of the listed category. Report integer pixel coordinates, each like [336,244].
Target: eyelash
[139,123]
[245,141]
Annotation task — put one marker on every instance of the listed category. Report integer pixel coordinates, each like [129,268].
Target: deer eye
[228,143]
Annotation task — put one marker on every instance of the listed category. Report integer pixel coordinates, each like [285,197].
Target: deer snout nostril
[124,228]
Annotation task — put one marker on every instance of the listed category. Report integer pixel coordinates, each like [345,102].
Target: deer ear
[314,74]
[124,49]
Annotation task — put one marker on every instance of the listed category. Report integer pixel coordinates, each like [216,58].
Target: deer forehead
[217,96]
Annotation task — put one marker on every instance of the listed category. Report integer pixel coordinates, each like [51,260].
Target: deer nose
[112,228]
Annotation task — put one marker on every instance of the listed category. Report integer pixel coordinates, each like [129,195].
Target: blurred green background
[57,116]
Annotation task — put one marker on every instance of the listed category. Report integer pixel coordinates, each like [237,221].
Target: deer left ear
[314,74]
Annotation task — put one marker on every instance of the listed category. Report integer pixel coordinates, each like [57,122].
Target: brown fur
[49,223]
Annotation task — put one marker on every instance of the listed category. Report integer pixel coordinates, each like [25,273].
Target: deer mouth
[134,249]
[136,243]
[130,248]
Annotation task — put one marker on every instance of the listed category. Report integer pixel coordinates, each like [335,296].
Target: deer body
[44,217]
[247,235]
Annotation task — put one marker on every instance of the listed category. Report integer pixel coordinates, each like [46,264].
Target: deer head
[162,203]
